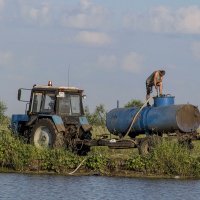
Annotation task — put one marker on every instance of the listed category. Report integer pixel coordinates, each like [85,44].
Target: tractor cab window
[75,104]
[43,102]
[48,103]
[69,104]
[36,102]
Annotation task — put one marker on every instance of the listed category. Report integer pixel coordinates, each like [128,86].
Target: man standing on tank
[155,79]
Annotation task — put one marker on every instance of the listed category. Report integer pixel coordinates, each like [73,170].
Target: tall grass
[16,155]
[167,158]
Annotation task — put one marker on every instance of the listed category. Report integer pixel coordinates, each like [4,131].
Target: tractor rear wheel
[44,134]
[82,150]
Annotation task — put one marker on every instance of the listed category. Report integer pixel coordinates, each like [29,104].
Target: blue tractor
[54,118]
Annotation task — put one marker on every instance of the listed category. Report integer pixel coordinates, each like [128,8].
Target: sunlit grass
[167,158]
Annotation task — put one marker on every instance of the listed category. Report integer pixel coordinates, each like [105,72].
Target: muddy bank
[82,172]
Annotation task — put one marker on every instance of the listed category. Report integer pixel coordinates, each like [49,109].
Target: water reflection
[49,187]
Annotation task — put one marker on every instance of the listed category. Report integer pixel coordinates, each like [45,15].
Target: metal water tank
[162,117]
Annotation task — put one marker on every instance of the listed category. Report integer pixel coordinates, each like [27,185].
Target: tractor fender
[57,120]
[85,124]
[58,123]
[16,120]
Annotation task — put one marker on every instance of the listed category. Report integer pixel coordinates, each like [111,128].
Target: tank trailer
[163,117]
[55,118]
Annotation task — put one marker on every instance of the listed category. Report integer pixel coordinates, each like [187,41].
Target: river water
[51,187]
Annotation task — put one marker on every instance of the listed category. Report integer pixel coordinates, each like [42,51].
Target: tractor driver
[155,79]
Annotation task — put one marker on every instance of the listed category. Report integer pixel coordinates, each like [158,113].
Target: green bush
[167,158]
[136,163]
[16,155]
[97,160]
[171,158]
[58,160]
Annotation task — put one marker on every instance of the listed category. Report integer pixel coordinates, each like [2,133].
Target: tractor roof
[59,88]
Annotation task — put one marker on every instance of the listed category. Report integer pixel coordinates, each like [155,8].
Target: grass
[168,158]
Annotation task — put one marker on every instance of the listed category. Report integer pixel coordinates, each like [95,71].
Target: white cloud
[132,62]
[87,15]
[188,20]
[107,61]
[156,19]
[92,38]
[40,14]
[163,19]
[84,15]
[85,4]
[79,21]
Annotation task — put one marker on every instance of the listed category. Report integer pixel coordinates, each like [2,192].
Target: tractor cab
[62,101]
[54,116]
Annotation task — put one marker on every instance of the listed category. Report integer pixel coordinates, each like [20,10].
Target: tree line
[98,117]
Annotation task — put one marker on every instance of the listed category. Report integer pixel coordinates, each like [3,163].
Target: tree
[134,103]
[87,114]
[3,108]
[98,117]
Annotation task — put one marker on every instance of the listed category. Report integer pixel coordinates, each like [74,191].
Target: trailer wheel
[43,134]
[145,146]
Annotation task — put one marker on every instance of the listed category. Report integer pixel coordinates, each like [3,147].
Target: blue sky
[109,46]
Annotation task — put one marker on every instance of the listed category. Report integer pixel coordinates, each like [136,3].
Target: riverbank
[84,172]
[168,159]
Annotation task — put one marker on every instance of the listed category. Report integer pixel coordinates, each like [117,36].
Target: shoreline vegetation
[168,159]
